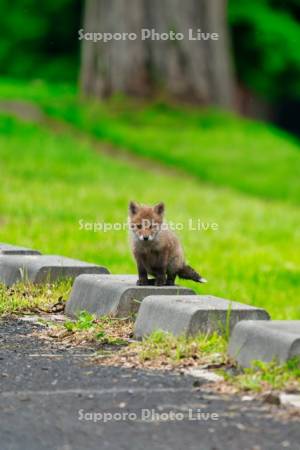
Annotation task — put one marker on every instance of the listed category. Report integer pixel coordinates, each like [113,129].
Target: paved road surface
[55,399]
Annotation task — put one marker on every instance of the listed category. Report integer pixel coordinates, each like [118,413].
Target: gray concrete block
[8,249]
[265,341]
[116,295]
[290,399]
[185,315]
[42,268]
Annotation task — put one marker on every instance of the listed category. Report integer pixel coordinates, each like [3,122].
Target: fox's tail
[188,273]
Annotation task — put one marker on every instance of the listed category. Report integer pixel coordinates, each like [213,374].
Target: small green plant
[84,322]
[95,329]
[225,329]
[227,326]
[270,375]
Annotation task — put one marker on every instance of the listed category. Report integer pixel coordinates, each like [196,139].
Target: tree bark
[197,70]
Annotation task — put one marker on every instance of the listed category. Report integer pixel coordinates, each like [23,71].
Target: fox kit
[157,250]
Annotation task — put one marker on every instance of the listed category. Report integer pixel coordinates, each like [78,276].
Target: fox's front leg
[160,276]
[143,276]
[160,271]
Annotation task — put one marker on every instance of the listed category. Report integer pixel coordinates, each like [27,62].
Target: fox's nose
[146,238]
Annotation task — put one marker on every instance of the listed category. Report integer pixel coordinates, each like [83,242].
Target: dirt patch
[22,110]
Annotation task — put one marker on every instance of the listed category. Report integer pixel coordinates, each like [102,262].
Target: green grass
[215,147]
[263,376]
[28,298]
[49,182]
[161,346]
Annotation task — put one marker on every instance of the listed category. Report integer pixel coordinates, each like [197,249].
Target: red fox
[156,249]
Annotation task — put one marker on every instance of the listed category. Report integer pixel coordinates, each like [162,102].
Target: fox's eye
[139,226]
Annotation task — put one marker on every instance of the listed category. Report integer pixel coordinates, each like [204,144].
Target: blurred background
[259,45]
[210,127]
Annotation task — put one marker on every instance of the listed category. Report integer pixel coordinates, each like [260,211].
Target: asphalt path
[56,398]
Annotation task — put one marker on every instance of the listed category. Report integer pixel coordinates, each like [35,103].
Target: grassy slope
[49,182]
[215,147]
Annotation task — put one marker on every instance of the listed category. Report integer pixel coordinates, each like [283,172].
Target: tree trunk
[199,70]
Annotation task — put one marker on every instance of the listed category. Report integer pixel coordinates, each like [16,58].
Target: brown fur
[156,249]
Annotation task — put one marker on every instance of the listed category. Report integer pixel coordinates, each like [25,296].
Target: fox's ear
[133,208]
[159,208]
